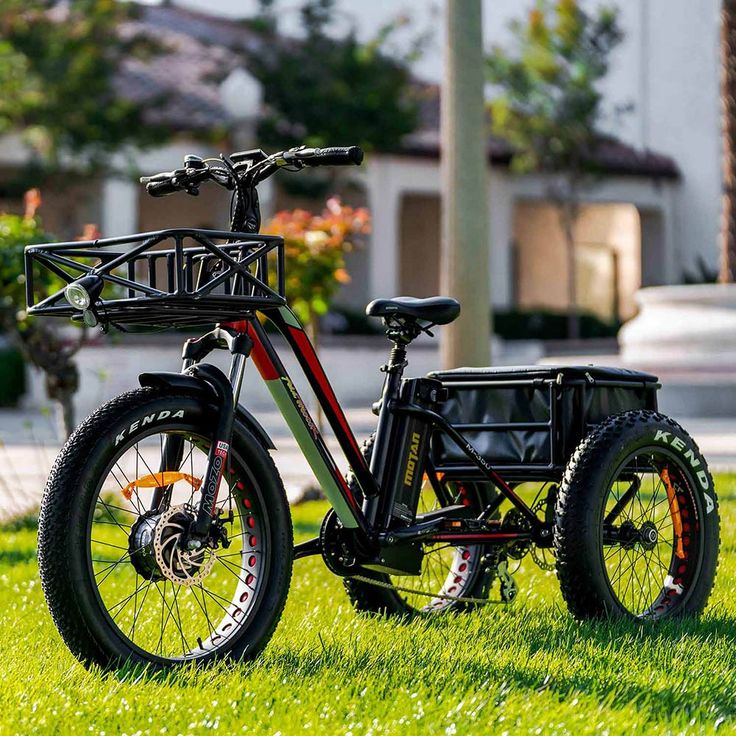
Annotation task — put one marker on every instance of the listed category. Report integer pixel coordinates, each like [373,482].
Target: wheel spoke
[167,623]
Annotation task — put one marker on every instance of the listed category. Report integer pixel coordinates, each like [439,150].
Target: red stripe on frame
[307,350]
[259,355]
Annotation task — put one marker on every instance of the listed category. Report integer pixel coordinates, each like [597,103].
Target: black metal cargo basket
[168,278]
[527,421]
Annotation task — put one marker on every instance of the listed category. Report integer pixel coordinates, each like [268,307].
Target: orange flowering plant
[314,254]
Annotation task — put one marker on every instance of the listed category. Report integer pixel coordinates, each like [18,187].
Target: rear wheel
[637,529]
[448,574]
[120,581]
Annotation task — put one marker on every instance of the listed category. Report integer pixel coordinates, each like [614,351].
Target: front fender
[195,385]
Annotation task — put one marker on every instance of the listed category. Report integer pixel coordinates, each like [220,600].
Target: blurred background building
[652,218]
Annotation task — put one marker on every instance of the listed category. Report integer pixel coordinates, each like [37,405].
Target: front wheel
[120,581]
[636,529]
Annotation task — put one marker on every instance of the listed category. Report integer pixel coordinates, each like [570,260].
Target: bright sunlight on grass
[525,668]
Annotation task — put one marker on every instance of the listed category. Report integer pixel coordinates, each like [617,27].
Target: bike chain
[509,588]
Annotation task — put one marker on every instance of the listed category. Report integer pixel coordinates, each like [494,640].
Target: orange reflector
[674,511]
[158,480]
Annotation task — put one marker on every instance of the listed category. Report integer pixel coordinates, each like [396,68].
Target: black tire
[468,574]
[74,505]
[637,527]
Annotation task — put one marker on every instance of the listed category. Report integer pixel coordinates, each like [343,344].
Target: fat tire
[72,485]
[580,569]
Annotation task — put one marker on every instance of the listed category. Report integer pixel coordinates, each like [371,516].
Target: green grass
[524,668]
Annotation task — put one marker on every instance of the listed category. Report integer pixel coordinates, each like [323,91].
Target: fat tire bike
[165,534]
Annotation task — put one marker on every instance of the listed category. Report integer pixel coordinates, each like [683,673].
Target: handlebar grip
[161,188]
[335,156]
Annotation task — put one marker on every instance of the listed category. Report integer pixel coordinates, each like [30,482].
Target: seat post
[400,336]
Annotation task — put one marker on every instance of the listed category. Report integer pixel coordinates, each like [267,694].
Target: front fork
[226,392]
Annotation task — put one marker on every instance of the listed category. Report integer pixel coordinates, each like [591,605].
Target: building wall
[666,69]
[404,196]
[607,243]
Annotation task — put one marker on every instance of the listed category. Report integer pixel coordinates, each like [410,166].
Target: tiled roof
[182,85]
[612,156]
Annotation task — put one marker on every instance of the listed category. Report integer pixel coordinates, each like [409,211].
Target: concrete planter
[683,327]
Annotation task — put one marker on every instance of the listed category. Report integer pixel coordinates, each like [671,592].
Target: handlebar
[336,156]
[161,188]
[250,168]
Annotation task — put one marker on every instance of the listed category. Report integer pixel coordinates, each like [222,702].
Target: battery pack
[411,450]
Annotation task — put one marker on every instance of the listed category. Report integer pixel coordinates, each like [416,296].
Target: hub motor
[158,551]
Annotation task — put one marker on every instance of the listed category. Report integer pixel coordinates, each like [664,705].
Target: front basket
[167,278]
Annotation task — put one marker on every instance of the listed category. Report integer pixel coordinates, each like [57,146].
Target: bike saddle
[440,310]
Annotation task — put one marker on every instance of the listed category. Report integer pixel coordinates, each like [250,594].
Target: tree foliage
[550,104]
[314,250]
[320,89]
[39,343]
[57,67]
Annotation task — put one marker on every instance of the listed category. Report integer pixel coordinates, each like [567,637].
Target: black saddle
[439,310]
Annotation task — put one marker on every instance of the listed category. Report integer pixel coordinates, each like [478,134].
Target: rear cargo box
[532,418]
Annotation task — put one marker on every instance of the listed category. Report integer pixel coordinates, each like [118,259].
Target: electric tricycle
[165,535]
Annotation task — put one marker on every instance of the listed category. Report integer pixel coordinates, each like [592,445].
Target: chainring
[336,551]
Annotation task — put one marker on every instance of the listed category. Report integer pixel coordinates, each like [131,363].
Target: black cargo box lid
[559,373]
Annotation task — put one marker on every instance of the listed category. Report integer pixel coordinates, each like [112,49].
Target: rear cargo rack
[528,421]
[168,278]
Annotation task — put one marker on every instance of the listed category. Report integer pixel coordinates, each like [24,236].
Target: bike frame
[357,517]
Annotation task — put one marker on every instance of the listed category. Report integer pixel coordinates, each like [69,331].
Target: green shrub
[12,376]
[541,324]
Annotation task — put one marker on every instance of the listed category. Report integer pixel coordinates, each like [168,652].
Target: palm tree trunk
[568,215]
[727,272]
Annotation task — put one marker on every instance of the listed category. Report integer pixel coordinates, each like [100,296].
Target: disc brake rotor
[178,564]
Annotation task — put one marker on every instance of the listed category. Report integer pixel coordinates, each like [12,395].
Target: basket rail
[194,280]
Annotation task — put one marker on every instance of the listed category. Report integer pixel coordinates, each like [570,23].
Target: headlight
[77,296]
[83,292]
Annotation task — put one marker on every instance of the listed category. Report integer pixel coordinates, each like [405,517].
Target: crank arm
[308,548]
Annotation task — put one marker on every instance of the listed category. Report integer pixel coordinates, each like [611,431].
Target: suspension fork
[194,350]
[225,392]
[219,449]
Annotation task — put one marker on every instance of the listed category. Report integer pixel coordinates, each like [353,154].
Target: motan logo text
[411,462]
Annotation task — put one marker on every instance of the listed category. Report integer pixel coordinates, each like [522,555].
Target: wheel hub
[158,551]
[648,535]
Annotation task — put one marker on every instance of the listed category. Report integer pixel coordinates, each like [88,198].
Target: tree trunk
[727,272]
[465,269]
[568,216]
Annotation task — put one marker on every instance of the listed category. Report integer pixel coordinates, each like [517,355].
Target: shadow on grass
[605,667]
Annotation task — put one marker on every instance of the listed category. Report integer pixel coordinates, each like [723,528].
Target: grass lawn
[524,668]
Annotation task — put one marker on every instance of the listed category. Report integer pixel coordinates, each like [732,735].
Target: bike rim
[448,572]
[161,619]
[651,552]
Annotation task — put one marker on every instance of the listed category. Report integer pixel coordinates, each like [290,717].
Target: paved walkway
[27,452]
